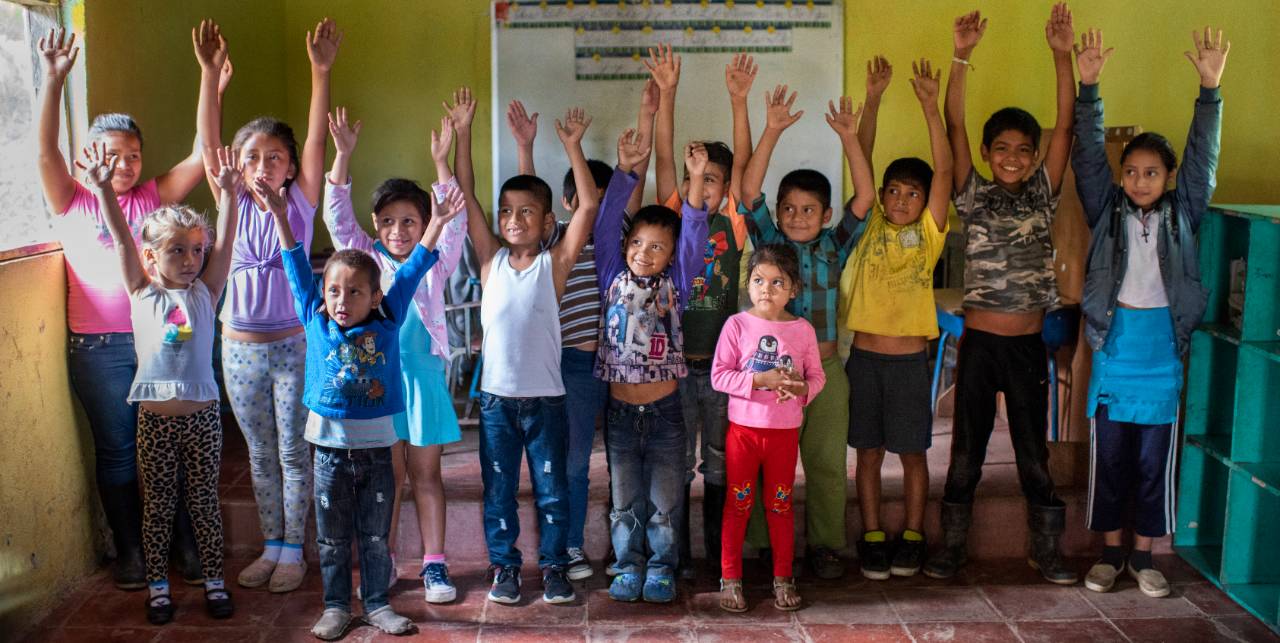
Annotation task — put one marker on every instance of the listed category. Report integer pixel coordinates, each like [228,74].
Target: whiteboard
[557,54]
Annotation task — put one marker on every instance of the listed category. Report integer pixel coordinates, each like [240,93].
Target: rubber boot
[687,570]
[1046,525]
[712,521]
[945,562]
[123,507]
[183,552]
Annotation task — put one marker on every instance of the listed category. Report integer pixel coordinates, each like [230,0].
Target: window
[24,219]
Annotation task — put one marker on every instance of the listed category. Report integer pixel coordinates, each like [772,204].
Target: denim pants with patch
[510,427]
[354,495]
[646,445]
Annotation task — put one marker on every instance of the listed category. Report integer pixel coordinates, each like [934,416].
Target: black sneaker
[825,563]
[874,559]
[555,585]
[908,557]
[506,584]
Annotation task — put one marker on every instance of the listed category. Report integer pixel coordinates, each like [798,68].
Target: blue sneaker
[659,589]
[435,579]
[625,587]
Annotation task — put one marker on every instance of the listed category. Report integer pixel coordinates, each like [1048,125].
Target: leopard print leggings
[166,444]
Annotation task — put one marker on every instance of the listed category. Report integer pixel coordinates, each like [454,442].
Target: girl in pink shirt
[767,361]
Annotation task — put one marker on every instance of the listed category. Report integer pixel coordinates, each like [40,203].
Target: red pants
[746,452]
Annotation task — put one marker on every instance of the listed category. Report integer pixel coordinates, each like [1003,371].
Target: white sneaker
[1101,577]
[1150,581]
[579,565]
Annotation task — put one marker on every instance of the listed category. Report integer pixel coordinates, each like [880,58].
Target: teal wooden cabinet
[1228,515]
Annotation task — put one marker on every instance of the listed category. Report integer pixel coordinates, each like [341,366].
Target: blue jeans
[646,443]
[510,426]
[585,395]
[706,414]
[354,494]
[102,368]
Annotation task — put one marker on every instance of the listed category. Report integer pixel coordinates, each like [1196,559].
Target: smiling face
[903,201]
[770,289]
[400,227]
[1012,158]
[349,294]
[267,156]
[801,215]
[127,150]
[523,218]
[1144,177]
[178,259]
[649,249]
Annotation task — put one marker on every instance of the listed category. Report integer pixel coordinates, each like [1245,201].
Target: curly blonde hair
[162,224]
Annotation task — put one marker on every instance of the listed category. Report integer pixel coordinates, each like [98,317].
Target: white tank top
[520,315]
[173,337]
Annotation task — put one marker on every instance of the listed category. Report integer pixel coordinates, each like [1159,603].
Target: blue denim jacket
[1179,212]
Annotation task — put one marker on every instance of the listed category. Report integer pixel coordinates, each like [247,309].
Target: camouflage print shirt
[1008,250]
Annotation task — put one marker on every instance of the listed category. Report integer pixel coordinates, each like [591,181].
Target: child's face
[770,290]
[715,184]
[903,201]
[523,220]
[1144,177]
[178,260]
[649,249]
[400,227]
[349,295]
[128,152]
[1011,157]
[267,156]
[801,215]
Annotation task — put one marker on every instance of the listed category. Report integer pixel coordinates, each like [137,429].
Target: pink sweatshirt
[750,345]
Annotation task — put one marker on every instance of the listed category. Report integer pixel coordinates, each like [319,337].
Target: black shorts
[889,401]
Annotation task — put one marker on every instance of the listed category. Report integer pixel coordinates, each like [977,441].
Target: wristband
[964,62]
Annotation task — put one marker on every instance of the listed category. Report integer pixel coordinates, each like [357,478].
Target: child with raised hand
[767,362]
[804,209]
[645,278]
[401,215]
[179,428]
[522,401]
[264,347]
[713,295]
[353,391]
[887,301]
[1142,299]
[1009,283]
[101,354]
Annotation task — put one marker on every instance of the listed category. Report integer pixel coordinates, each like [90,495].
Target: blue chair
[949,325]
[1061,327]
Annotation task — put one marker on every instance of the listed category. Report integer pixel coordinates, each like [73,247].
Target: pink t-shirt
[750,345]
[96,299]
[258,297]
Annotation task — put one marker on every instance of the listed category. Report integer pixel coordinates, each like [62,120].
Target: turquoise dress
[429,417]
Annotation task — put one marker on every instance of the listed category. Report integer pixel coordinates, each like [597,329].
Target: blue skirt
[1138,373]
[429,417]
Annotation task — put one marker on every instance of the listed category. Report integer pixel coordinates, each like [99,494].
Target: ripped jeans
[354,494]
[646,444]
[511,427]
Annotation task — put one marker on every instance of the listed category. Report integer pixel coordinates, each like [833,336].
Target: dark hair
[656,215]
[359,261]
[600,173]
[781,255]
[529,183]
[1011,118]
[909,170]
[717,154]
[271,127]
[115,122]
[811,181]
[1152,142]
[397,189]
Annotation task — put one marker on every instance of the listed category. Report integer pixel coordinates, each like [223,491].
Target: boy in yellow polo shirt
[887,295]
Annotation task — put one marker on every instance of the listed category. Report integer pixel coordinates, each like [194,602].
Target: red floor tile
[425,632]
[300,609]
[1038,602]
[1173,630]
[1126,601]
[967,632]
[535,634]
[947,604]
[531,609]
[856,606]
[202,634]
[1210,600]
[1099,631]
[104,634]
[1248,628]
[603,610]
[705,608]
[859,633]
[639,634]
[738,633]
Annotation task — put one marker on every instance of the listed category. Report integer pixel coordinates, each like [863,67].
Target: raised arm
[608,227]
[665,69]
[564,254]
[967,33]
[778,118]
[57,55]
[879,73]
[339,213]
[462,111]
[211,52]
[322,49]
[174,185]
[1060,32]
[524,128]
[1197,178]
[278,204]
[693,224]
[1089,160]
[925,84]
[345,136]
[453,238]
[443,211]
[739,75]
[98,170]
[230,177]
[844,121]
[644,132]
[483,240]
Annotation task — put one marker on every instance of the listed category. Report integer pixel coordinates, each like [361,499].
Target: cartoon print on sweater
[712,272]
[351,384]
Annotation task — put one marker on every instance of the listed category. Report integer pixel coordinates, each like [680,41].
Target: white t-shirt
[173,337]
[1143,286]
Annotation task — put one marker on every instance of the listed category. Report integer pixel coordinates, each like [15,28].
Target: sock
[911,535]
[1113,556]
[215,588]
[160,588]
[876,536]
[1140,560]
[290,554]
[272,550]
[433,558]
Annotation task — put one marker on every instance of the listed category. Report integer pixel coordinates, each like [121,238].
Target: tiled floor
[994,600]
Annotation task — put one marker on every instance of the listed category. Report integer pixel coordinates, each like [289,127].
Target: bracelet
[964,62]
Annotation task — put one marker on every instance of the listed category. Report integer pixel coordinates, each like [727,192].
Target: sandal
[731,598]
[217,602]
[785,597]
[160,609]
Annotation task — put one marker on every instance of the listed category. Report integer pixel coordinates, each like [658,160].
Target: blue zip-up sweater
[354,373]
[1179,213]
